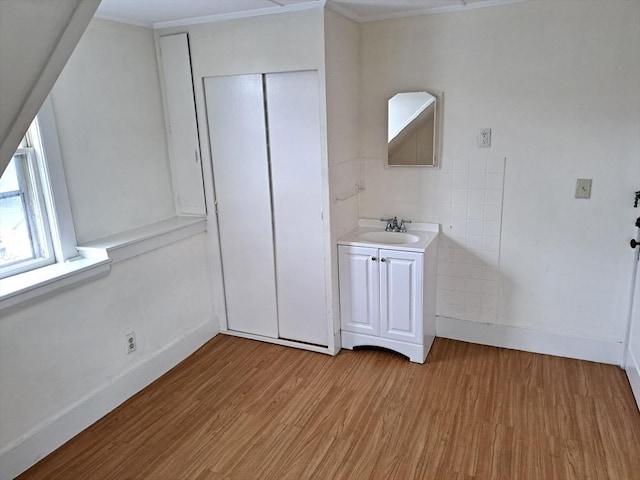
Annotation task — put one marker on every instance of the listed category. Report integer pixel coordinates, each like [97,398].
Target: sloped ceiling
[36,40]
[166,13]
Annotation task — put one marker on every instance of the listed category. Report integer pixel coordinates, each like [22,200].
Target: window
[36,228]
[25,236]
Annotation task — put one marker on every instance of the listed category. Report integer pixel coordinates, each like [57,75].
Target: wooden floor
[239,409]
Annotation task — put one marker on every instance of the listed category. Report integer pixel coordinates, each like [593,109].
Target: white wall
[63,361]
[108,110]
[342,51]
[558,84]
[271,43]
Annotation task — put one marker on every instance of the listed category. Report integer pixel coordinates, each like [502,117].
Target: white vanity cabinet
[387,298]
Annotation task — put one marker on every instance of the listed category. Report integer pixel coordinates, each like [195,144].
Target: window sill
[134,242]
[42,281]
[95,259]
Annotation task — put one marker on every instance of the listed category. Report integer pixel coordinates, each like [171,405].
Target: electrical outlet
[484,137]
[583,188]
[131,342]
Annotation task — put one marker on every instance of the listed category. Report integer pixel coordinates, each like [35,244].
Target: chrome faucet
[392,224]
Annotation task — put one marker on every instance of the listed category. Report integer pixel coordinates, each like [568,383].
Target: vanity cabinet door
[359,289]
[401,286]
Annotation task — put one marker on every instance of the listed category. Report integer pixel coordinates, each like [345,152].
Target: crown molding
[237,15]
[128,21]
[410,13]
[334,7]
[329,4]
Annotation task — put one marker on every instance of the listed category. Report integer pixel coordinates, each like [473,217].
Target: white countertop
[426,232]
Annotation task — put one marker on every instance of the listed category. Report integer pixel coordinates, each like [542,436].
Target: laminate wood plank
[209,475]
[243,410]
[304,456]
[425,445]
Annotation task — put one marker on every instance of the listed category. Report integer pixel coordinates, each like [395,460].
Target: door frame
[630,364]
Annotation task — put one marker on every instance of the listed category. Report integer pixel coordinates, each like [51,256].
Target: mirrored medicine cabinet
[414,129]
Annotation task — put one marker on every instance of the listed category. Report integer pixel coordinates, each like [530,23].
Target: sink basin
[394,238]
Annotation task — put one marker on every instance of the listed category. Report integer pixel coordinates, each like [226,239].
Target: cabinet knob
[373,258]
[383,259]
[634,244]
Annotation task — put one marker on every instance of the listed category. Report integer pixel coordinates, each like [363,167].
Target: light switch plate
[583,188]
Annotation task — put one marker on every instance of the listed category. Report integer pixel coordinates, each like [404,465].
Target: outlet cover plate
[583,188]
[131,342]
[484,138]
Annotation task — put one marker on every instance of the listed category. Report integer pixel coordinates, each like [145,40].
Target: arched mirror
[413,129]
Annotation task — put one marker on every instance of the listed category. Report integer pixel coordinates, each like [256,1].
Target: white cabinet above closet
[182,129]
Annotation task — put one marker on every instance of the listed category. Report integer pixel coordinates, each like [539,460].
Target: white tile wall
[344,178]
[469,257]
[465,197]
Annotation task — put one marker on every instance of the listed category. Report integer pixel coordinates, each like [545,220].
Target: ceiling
[167,13]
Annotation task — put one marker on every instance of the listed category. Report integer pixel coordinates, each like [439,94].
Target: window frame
[46,166]
[35,213]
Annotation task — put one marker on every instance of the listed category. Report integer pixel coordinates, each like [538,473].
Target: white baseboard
[516,338]
[279,341]
[50,435]
[633,374]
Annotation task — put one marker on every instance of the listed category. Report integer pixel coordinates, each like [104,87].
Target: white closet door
[184,150]
[293,108]
[235,111]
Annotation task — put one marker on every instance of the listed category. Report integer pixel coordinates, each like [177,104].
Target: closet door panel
[235,111]
[293,109]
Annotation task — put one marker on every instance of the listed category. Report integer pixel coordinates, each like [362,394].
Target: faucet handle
[390,223]
[403,226]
